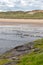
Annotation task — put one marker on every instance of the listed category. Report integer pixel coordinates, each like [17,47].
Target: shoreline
[20,21]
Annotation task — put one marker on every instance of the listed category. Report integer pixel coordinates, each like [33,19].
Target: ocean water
[18,34]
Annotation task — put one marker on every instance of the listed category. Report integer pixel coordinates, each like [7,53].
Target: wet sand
[20,21]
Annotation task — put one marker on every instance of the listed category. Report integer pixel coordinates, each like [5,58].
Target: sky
[21,5]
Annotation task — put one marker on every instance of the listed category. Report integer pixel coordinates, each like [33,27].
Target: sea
[18,34]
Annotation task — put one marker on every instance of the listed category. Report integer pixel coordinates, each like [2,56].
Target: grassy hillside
[32,57]
[22,15]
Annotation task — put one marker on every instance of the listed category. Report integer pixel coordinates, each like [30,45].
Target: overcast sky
[25,5]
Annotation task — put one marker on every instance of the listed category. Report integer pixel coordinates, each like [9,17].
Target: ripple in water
[11,36]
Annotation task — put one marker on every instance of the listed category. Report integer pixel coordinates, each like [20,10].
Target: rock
[36,49]
[15,58]
[18,47]
[11,63]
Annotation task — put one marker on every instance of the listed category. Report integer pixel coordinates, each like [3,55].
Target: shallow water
[18,34]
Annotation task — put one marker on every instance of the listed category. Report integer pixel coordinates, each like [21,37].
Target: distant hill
[35,14]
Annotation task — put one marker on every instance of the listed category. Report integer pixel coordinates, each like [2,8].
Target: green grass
[4,61]
[34,58]
[39,44]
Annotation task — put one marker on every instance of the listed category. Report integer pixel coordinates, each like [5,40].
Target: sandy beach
[13,21]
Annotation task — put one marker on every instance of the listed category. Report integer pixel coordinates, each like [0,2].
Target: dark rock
[18,47]
[11,63]
[36,49]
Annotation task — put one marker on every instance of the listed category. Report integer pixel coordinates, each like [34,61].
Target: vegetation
[32,59]
[35,57]
[21,15]
[4,61]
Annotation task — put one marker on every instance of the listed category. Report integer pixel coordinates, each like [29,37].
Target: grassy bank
[35,57]
[21,15]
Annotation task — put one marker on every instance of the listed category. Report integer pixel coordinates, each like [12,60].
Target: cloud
[6,5]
